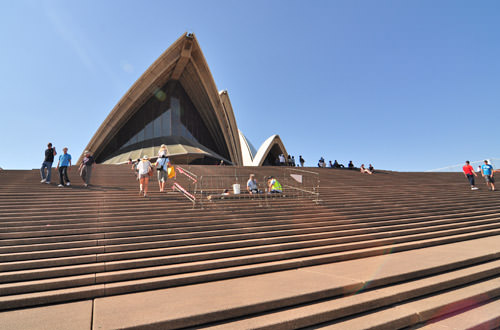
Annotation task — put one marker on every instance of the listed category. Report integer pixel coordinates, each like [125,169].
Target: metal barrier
[190,189]
[303,181]
[296,183]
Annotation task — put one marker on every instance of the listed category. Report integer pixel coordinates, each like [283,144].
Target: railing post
[201,192]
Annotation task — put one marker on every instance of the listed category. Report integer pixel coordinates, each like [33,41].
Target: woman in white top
[162,151]
[143,169]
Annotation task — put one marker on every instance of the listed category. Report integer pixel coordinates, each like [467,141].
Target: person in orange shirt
[470,174]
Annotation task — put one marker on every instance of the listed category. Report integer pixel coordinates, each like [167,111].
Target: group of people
[144,169]
[272,184]
[63,166]
[289,161]
[285,161]
[365,170]
[336,164]
[487,172]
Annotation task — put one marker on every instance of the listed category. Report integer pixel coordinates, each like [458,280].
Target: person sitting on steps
[274,187]
[337,165]
[321,162]
[252,186]
[362,169]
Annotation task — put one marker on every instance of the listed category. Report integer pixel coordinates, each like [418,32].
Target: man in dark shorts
[470,174]
[487,171]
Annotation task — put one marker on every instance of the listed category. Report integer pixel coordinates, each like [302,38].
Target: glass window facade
[169,112]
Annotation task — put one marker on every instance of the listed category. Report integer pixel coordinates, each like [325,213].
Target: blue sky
[404,85]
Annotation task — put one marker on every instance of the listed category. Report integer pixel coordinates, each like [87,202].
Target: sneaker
[85,185]
[43,180]
[47,182]
[474,188]
[68,184]
[60,185]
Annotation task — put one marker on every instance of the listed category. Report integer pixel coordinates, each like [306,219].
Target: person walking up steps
[162,165]
[487,172]
[470,174]
[144,167]
[62,167]
[47,163]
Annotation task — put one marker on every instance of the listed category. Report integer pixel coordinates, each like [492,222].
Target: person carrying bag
[162,166]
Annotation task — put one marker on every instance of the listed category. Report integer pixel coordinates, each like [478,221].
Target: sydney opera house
[176,103]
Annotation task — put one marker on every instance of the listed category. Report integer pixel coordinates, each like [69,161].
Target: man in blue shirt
[487,172]
[62,166]
[252,186]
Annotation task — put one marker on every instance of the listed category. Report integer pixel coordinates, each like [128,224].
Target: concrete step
[427,309]
[253,247]
[198,272]
[106,240]
[252,255]
[74,316]
[23,224]
[479,316]
[319,294]
[158,241]
[203,218]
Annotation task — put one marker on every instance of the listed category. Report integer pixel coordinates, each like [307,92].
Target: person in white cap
[85,168]
[145,170]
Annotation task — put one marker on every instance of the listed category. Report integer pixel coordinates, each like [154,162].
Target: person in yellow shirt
[274,187]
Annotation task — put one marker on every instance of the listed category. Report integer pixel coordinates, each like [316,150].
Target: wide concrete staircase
[385,251]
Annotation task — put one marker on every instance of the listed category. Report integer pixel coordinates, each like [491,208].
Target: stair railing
[194,179]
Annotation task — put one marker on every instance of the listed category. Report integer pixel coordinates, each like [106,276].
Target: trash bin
[236,188]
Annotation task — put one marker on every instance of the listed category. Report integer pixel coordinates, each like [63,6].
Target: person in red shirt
[470,174]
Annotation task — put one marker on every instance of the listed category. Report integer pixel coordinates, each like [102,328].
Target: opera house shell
[176,103]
